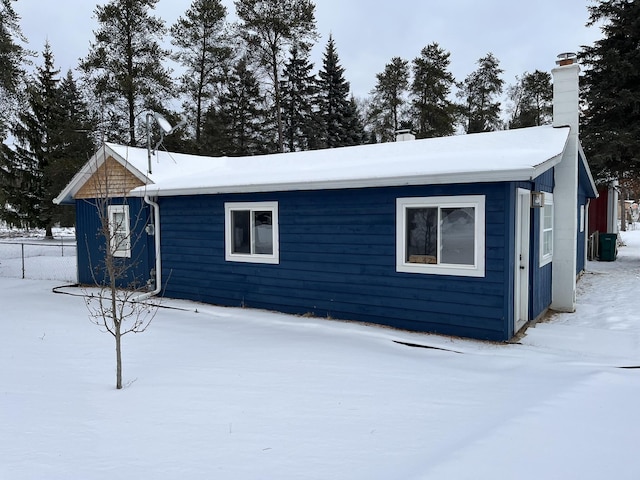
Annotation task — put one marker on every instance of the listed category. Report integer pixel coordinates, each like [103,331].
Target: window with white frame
[119,230]
[441,235]
[251,232]
[546,230]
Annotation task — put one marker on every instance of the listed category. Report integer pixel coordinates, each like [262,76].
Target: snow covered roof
[509,155]
[164,166]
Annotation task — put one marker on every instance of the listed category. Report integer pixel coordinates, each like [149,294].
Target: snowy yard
[31,256]
[241,394]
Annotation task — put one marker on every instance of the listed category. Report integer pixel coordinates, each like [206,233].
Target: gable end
[112,179]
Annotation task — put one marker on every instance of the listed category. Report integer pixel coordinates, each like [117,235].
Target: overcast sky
[523,35]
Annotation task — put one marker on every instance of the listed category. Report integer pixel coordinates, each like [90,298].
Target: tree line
[249,87]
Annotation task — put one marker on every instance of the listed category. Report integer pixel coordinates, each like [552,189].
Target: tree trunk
[278,101]
[118,357]
[117,321]
[48,234]
[623,213]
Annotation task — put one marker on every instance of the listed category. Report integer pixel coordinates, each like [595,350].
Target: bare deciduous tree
[120,304]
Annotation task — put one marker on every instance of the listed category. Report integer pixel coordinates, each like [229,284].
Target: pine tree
[12,56]
[531,100]
[37,137]
[480,92]
[433,114]
[333,103]
[205,51]
[9,179]
[389,95]
[611,88]
[124,66]
[76,146]
[298,91]
[238,126]
[270,28]
[52,142]
[354,125]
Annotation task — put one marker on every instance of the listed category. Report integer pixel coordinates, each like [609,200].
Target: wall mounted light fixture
[537,199]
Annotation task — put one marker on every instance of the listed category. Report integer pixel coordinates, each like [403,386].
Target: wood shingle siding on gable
[110,179]
[337,259]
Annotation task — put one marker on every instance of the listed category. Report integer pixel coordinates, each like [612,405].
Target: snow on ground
[30,255]
[58,232]
[243,394]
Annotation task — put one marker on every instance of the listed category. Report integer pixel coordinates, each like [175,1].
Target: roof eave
[79,179]
[524,174]
[66,197]
[592,183]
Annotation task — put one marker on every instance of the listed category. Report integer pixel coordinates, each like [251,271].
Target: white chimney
[566,92]
[565,215]
[404,135]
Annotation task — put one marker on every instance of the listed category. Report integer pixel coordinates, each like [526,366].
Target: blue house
[471,235]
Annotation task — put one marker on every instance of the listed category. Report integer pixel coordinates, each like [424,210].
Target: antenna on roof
[165,129]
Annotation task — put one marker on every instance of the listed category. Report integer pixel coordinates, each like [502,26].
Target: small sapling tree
[118,305]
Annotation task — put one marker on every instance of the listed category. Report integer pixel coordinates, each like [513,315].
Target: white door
[521,263]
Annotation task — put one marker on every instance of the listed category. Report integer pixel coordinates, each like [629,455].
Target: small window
[546,230]
[251,232]
[441,235]
[119,233]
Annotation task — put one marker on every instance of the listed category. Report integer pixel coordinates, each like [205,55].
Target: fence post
[22,248]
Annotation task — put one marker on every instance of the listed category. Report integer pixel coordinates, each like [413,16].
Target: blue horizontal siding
[92,245]
[540,284]
[337,259]
[585,192]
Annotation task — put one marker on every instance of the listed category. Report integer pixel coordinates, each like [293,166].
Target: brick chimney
[565,216]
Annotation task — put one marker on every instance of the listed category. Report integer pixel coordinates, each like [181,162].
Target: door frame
[522,259]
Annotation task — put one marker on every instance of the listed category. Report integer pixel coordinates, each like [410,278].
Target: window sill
[432,269]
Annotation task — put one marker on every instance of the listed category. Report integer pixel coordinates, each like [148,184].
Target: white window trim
[123,250]
[462,201]
[273,258]
[548,257]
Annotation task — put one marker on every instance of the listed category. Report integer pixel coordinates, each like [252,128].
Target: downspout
[156,232]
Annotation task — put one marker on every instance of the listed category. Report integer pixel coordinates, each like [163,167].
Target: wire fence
[39,259]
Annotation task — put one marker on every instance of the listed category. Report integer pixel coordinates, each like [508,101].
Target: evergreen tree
[52,142]
[298,91]
[12,56]
[269,27]
[204,50]
[8,182]
[76,144]
[333,103]
[354,125]
[611,88]
[480,92]
[531,100]
[238,126]
[36,136]
[389,95]
[124,66]
[432,112]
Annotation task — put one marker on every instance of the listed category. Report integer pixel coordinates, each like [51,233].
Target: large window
[441,235]
[119,233]
[546,230]
[251,232]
